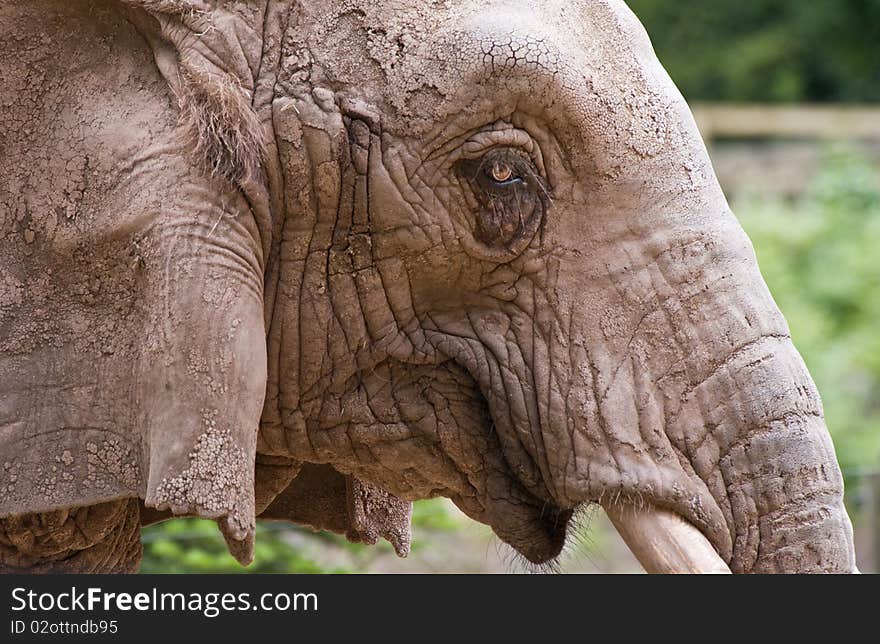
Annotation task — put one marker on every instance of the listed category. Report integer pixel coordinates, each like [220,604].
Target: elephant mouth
[663,541]
[526,514]
[542,536]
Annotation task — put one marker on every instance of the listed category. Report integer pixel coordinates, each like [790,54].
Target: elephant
[314,261]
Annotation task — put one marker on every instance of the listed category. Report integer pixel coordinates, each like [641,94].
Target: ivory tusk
[664,543]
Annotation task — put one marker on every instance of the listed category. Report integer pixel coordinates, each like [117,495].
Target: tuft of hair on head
[181,8]
[224,131]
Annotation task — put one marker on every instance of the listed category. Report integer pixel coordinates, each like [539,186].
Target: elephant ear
[321,498]
[209,56]
[132,334]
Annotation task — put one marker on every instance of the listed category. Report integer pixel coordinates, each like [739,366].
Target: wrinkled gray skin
[388,251]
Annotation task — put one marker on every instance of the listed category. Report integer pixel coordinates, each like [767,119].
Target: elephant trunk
[746,421]
[696,404]
[767,457]
[769,464]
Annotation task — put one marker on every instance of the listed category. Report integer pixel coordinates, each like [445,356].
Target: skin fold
[313,261]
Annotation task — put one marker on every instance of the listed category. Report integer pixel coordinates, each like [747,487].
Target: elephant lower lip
[545,539]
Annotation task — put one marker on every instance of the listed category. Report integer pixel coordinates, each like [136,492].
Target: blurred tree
[768,50]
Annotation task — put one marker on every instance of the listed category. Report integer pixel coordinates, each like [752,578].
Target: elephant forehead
[395,48]
[582,70]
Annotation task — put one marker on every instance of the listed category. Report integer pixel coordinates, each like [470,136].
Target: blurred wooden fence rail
[858,122]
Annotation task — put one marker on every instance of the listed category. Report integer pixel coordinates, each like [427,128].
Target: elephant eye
[501,170]
[502,174]
[507,196]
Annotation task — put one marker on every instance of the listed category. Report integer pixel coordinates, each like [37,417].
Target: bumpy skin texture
[319,259]
[98,538]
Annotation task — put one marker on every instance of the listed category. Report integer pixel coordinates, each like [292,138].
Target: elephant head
[519,285]
[490,260]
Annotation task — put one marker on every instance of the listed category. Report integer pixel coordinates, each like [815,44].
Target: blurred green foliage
[820,256]
[196,546]
[768,50]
